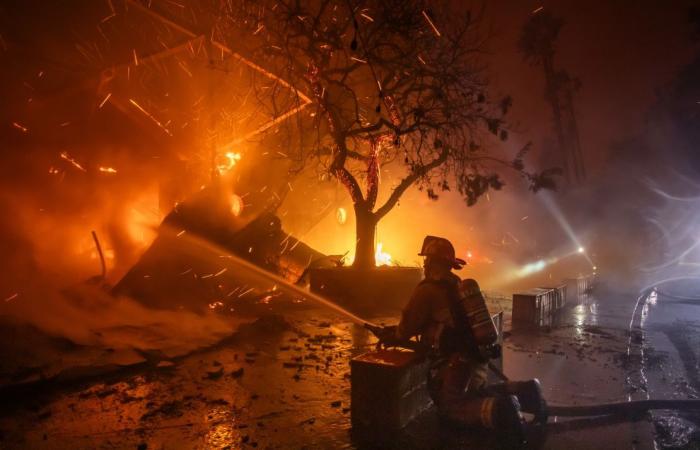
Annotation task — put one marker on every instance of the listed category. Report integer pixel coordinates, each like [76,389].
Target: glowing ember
[341,215]
[225,162]
[150,116]
[236,205]
[108,170]
[381,258]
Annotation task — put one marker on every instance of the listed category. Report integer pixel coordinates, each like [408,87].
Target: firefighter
[439,313]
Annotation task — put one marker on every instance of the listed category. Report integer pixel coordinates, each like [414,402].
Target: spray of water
[556,212]
[254,271]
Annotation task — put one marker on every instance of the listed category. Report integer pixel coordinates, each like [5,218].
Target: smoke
[87,316]
[48,255]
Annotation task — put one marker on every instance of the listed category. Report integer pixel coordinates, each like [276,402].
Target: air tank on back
[480,321]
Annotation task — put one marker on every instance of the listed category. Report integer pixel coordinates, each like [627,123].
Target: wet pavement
[285,384]
[582,359]
[670,350]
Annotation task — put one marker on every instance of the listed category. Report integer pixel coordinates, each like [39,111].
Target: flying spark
[367,17]
[65,156]
[432,25]
[140,108]
[23,129]
[104,101]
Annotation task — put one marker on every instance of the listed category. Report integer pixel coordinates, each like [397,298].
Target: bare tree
[389,81]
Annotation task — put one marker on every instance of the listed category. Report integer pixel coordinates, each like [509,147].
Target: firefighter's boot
[496,413]
[506,415]
[529,394]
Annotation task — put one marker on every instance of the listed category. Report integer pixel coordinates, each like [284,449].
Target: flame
[108,170]
[236,205]
[226,161]
[381,258]
[341,215]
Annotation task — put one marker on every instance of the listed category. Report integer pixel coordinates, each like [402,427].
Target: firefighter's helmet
[441,248]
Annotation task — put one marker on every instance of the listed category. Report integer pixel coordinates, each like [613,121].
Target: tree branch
[350,183]
[408,181]
[373,173]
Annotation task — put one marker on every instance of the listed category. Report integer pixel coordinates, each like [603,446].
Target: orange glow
[142,219]
[108,170]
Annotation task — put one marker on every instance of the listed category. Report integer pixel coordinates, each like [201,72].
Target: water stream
[282,284]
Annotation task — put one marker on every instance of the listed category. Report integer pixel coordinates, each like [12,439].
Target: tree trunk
[553,87]
[365,230]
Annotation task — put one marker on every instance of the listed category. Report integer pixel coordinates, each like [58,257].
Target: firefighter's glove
[492,351]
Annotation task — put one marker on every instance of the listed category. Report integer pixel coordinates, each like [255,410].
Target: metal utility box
[388,389]
[581,286]
[537,306]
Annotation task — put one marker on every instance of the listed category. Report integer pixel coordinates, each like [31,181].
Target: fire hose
[630,408]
